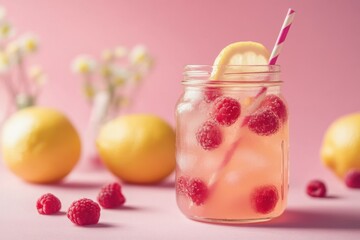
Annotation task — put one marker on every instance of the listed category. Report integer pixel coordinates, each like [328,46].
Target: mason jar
[232,144]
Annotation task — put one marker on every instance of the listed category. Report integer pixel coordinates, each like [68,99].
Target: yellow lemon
[341,145]
[138,148]
[40,145]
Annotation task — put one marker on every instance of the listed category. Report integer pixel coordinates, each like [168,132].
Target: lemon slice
[239,53]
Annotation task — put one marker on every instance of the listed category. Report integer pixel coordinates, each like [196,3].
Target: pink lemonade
[232,145]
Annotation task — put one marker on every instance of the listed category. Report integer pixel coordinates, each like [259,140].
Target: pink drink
[232,145]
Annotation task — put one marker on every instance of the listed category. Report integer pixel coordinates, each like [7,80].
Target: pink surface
[151,213]
[319,64]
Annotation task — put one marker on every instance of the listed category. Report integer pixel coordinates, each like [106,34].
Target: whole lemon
[40,145]
[138,148]
[341,145]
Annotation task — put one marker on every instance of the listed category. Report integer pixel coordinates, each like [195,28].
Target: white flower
[141,59]
[120,76]
[29,43]
[6,30]
[139,54]
[84,65]
[120,51]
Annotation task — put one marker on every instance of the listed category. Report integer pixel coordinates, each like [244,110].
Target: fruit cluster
[84,211]
[263,199]
[225,111]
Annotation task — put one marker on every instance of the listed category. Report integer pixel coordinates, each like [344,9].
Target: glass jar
[232,144]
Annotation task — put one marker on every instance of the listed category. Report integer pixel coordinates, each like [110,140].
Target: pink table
[151,213]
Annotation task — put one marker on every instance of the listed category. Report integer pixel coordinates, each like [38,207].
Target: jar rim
[271,68]
[232,74]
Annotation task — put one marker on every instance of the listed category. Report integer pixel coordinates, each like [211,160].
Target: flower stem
[22,77]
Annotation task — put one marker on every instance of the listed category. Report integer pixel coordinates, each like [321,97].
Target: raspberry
[110,196]
[48,204]
[276,105]
[211,93]
[209,135]
[263,122]
[264,199]
[197,191]
[181,185]
[84,212]
[226,110]
[352,179]
[316,188]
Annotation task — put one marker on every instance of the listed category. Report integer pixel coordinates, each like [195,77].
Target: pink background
[321,83]
[319,61]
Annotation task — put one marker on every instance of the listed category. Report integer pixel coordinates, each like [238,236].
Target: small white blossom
[6,30]
[29,43]
[84,65]
[120,76]
[139,54]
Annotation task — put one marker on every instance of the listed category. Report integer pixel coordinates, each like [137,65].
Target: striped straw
[277,48]
[282,36]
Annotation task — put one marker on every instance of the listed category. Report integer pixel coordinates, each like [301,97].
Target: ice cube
[233,177]
[185,107]
[192,95]
[185,161]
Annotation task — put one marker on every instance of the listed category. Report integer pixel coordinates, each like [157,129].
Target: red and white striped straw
[278,45]
[282,36]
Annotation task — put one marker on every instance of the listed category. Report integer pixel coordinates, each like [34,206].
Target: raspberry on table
[263,122]
[352,179]
[84,212]
[211,93]
[110,196]
[197,191]
[181,185]
[48,204]
[264,199]
[276,104]
[209,135]
[316,188]
[226,110]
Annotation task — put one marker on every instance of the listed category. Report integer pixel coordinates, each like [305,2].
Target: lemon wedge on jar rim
[239,53]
